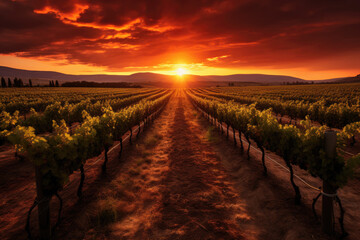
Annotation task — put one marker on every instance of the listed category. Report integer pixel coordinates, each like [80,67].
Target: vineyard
[60,134]
[62,149]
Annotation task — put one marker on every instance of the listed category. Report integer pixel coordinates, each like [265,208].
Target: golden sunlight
[181,71]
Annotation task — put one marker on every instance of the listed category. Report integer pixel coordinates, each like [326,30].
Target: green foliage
[59,154]
[23,99]
[71,113]
[338,114]
[303,146]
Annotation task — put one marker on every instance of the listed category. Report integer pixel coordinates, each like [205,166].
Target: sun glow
[181,71]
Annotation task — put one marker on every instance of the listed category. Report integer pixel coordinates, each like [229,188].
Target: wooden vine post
[43,207]
[327,220]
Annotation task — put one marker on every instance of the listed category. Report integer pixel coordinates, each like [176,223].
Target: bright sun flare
[181,71]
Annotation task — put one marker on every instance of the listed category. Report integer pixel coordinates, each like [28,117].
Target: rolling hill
[146,77]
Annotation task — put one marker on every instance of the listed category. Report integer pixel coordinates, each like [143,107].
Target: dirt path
[198,201]
[185,182]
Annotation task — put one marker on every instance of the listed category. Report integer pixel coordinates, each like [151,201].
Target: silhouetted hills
[42,77]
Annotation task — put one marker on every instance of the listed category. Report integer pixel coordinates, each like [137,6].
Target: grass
[113,203]
[211,135]
[144,149]
[152,141]
[107,211]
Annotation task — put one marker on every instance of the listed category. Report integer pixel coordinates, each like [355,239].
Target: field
[189,163]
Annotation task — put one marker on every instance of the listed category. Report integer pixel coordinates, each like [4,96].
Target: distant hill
[258,78]
[47,75]
[42,77]
[349,79]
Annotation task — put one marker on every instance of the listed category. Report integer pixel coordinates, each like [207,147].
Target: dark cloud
[122,34]
[22,30]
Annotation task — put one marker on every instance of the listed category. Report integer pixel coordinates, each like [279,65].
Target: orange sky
[302,38]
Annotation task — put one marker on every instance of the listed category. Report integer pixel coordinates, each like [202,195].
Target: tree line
[102,85]
[18,82]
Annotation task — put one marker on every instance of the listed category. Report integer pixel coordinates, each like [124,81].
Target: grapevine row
[336,115]
[71,113]
[23,101]
[303,147]
[58,155]
[328,93]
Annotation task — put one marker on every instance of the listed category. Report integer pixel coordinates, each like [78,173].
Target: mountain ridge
[43,76]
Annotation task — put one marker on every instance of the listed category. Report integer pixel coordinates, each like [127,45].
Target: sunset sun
[181,71]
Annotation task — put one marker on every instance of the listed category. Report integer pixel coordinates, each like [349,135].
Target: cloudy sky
[304,38]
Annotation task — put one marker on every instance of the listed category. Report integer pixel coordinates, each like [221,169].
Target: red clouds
[153,34]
